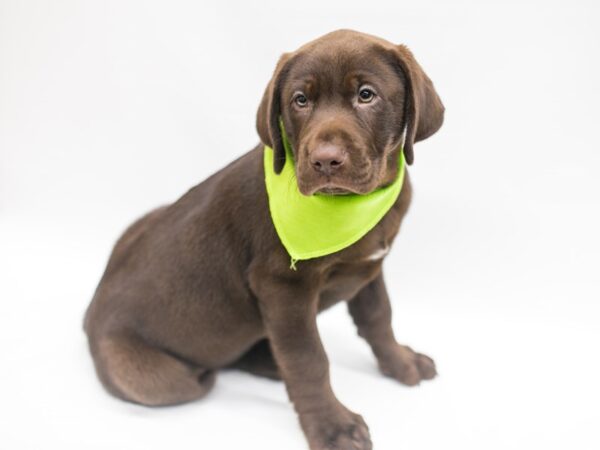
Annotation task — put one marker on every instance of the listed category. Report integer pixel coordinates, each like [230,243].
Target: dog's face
[347,100]
[343,109]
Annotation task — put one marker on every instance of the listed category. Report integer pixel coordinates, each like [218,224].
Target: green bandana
[318,225]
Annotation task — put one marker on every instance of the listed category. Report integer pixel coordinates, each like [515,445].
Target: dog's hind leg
[138,372]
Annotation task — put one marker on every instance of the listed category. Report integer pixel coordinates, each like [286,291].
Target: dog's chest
[353,268]
[379,253]
[345,279]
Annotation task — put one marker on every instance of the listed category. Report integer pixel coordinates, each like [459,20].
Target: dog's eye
[365,95]
[300,100]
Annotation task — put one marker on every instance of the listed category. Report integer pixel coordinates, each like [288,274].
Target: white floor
[511,376]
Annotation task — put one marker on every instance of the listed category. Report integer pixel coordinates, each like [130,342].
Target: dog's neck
[319,225]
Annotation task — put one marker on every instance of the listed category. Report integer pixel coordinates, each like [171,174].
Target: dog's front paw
[336,429]
[407,366]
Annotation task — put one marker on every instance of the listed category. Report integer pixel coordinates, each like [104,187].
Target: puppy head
[348,102]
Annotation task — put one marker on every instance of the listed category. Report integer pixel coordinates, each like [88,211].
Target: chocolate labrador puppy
[205,283]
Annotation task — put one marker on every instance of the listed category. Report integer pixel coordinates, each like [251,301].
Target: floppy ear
[269,111]
[424,112]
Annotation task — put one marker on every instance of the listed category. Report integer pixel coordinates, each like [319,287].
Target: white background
[110,108]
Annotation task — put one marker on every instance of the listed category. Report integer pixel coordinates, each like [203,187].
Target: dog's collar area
[319,225]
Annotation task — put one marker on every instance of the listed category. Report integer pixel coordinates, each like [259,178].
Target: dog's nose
[327,159]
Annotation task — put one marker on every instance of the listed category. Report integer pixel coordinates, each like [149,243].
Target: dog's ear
[424,111]
[269,111]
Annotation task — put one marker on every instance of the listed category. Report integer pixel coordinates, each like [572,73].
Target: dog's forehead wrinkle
[326,76]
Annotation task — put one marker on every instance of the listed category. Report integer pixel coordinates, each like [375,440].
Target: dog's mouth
[333,190]
[349,181]
[331,187]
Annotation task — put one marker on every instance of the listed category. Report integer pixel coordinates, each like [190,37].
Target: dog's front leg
[372,314]
[289,310]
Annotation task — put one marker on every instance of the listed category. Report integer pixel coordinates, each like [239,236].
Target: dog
[205,283]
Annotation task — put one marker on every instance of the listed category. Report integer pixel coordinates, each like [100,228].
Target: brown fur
[205,283]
